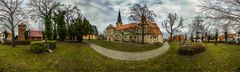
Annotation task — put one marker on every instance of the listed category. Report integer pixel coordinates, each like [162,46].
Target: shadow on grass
[238,70]
[72,41]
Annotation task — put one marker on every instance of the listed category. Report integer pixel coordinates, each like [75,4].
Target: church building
[130,32]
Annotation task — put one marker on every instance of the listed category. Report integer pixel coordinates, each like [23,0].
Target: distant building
[93,35]
[21,30]
[131,33]
[178,38]
[230,37]
[35,35]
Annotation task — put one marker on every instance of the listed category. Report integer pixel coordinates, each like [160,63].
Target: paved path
[130,55]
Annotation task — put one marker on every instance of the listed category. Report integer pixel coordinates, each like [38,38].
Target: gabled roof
[154,29]
[35,33]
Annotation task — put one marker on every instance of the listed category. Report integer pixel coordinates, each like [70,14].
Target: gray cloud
[104,12]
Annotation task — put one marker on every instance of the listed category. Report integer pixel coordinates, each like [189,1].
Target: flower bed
[191,49]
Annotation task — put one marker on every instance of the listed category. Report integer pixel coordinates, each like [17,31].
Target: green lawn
[125,46]
[79,57]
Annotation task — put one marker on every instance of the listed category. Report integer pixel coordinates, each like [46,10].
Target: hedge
[40,46]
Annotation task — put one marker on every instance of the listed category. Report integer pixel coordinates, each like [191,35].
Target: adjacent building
[93,35]
[35,35]
[131,32]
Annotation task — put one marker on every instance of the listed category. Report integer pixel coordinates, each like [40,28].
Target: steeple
[119,19]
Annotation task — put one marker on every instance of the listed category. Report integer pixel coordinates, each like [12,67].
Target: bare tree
[44,9]
[197,26]
[11,14]
[171,26]
[71,13]
[226,28]
[141,14]
[221,9]
[216,36]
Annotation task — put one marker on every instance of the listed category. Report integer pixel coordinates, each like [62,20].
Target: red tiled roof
[178,37]
[126,26]
[153,28]
[35,33]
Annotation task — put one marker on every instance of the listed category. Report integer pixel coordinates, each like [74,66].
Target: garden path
[133,56]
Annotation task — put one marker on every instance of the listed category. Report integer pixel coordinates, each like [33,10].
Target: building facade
[93,35]
[131,32]
[21,30]
[178,37]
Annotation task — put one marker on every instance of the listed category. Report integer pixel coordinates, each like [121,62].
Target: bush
[40,46]
[191,49]
[52,44]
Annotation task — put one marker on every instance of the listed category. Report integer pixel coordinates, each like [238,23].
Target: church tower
[119,19]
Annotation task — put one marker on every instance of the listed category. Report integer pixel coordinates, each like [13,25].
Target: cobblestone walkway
[133,56]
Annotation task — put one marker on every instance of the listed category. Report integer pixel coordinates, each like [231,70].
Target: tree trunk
[43,34]
[197,36]
[170,39]
[192,38]
[208,39]
[13,38]
[216,37]
[80,39]
[143,35]
[226,36]
[143,38]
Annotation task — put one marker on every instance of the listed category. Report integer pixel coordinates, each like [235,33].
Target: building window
[155,37]
[135,37]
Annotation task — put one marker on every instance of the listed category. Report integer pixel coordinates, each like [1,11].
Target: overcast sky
[104,12]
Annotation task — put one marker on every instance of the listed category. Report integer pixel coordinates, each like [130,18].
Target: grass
[69,57]
[125,46]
